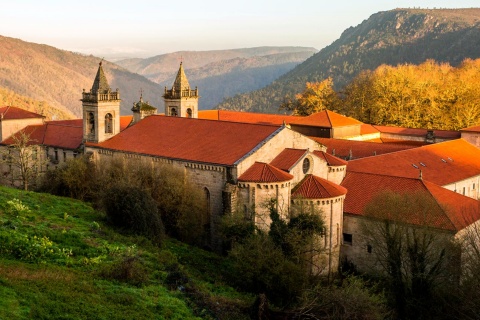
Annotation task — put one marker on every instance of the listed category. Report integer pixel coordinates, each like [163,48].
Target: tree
[23,159]
[132,209]
[316,97]
[414,255]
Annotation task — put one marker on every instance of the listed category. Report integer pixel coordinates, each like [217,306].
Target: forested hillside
[221,73]
[57,77]
[391,37]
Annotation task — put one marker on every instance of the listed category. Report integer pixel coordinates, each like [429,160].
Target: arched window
[306,165]
[189,113]
[207,199]
[91,123]
[108,123]
[173,112]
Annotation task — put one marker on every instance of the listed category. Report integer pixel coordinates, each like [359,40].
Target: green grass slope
[58,260]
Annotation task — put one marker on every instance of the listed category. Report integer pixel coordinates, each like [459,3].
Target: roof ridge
[328,117]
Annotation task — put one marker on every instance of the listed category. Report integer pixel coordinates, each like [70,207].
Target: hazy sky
[145,28]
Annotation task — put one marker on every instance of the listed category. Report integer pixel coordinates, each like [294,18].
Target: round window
[306,165]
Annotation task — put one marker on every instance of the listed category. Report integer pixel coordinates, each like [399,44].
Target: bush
[128,269]
[134,210]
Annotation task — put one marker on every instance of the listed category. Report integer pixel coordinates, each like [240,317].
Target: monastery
[332,164]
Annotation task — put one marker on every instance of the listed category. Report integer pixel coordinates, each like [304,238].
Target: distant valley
[221,73]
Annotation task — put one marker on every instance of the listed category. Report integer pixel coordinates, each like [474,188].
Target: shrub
[128,269]
[132,209]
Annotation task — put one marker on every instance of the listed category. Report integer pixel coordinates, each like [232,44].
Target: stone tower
[181,101]
[101,110]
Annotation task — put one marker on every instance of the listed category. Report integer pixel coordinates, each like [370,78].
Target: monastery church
[328,163]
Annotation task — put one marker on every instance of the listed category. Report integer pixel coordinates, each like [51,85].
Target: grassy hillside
[58,260]
[56,76]
[221,73]
[391,37]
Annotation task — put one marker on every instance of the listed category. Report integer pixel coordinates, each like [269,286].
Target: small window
[91,123]
[474,186]
[64,156]
[56,155]
[173,112]
[189,113]
[463,190]
[108,123]
[306,165]
[369,248]
[34,154]
[347,238]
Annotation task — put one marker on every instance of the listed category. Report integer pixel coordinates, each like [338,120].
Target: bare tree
[410,246]
[23,158]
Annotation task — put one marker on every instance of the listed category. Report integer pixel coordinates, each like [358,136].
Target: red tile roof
[447,134]
[10,113]
[313,187]
[329,159]
[367,129]
[263,172]
[359,149]
[327,119]
[286,159]
[216,142]
[66,134]
[455,211]
[52,134]
[471,129]
[246,117]
[441,163]
[324,118]
[125,122]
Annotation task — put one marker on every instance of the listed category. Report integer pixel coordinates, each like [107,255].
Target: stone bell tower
[181,101]
[101,110]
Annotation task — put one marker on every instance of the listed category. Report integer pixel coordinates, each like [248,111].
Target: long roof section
[359,149]
[12,113]
[441,163]
[246,117]
[196,140]
[454,211]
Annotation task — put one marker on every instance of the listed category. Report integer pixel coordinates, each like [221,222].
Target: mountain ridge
[387,37]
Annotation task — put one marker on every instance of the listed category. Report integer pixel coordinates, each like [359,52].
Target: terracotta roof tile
[125,122]
[263,172]
[471,129]
[313,187]
[441,163]
[326,118]
[455,211]
[447,134]
[329,159]
[358,149]
[52,134]
[209,114]
[10,113]
[286,159]
[246,117]
[367,129]
[198,140]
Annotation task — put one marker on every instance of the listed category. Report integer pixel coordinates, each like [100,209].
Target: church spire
[100,84]
[181,81]
[181,100]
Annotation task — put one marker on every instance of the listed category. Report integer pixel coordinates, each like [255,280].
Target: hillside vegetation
[391,37]
[44,73]
[221,73]
[59,260]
